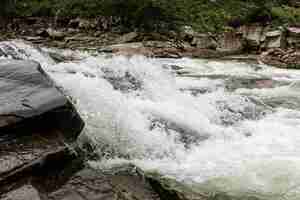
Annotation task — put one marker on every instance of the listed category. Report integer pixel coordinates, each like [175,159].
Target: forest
[202,15]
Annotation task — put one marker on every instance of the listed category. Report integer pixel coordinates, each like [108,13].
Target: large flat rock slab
[28,95]
[27,192]
[38,124]
[25,91]
[122,183]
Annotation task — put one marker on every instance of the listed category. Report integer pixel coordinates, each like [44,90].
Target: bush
[7,8]
[158,15]
[34,8]
[286,15]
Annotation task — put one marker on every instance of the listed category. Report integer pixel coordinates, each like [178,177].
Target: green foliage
[154,15]
[82,8]
[7,7]
[286,15]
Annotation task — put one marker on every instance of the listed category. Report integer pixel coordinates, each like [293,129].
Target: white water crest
[185,122]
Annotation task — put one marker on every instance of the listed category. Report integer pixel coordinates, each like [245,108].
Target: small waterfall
[194,120]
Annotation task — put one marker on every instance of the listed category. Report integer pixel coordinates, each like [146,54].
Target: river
[230,124]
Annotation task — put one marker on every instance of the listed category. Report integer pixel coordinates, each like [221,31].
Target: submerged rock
[169,188]
[10,51]
[187,135]
[124,83]
[236,82]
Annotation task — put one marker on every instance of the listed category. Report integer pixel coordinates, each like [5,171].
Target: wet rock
[250,58]
[127,49]
[158,44]
[38,124]
[204,41]
[35,39]
[121,182]
[231,41]
[293,37]
[289,102]
[27,192]
[294,31]
[187,134]
[161,49]
[27,92]
[51,33]
[274,39]
[197,90]
[123,48]
[82,24]
[79,38]
[199,40]
[153,36]
[280,58]
[128,37]
[167,49]
[167,53]
[9,50]
[74,23]
[187,33]
[169,188]
[247,109]
[253,35]
[57,57]
[235,82]
[201,53]
[173,68]
[86,24]
[125,83]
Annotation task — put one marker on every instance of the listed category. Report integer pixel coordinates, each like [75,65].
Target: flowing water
[233,125]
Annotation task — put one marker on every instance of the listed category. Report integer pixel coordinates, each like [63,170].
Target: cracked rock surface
[38,124]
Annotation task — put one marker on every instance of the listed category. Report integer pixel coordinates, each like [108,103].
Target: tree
[7,8]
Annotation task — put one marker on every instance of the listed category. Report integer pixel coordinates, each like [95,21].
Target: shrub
[158,15]
[286,15]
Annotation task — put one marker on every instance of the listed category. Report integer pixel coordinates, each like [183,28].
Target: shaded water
[232,125]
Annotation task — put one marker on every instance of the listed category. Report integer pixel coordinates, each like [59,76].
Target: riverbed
[231,125]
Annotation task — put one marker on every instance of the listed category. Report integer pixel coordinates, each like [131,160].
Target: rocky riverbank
[92,34]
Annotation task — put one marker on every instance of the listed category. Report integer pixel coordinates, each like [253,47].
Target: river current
[233,124]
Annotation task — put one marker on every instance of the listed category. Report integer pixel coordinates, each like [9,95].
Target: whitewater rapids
[193,120]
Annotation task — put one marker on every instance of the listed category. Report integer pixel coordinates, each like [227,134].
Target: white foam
[25,51]
[243,162]
[260,155]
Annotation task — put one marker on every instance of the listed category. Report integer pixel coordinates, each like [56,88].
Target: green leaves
[154,15]
[7,7]
[286,15]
